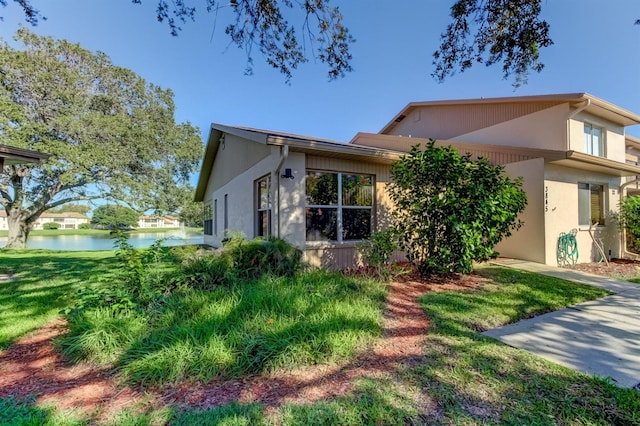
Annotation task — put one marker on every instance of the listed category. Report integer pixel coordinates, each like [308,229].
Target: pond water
[105,242]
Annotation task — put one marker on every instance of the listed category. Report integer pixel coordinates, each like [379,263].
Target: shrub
[51,225]
[84,226]
[451,210]
[253,258]
[629,218]
[143,282]
[376,252]
[205,273]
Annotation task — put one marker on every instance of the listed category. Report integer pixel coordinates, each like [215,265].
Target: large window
[263,207]
[339,206]
[590,204]
[208,219]
[594,140]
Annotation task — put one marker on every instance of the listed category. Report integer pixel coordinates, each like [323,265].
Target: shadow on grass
[15,411]
[253,327]
[40,279]
[479,380]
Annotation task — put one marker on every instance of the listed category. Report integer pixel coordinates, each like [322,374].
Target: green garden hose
[567,249]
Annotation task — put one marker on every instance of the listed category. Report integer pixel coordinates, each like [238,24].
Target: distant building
[68,220]
[157,221]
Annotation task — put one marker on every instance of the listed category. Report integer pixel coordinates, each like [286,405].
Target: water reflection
[105,242]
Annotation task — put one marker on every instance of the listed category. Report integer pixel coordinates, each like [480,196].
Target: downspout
[284,153]
[575,112]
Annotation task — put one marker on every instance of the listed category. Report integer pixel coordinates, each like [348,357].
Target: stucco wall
[292,217]
[528,243]
[614,137]
[235,155]
[239,189]
[561,188]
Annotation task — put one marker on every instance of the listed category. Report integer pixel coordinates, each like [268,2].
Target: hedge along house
[324,196]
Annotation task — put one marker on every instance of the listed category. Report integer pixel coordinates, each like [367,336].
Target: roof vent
[400,118]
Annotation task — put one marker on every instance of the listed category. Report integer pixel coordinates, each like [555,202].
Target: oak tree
[110,134]
[114,216]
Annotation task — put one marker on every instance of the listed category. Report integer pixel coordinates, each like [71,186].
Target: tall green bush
[629,218]
[452,210]
[51,225]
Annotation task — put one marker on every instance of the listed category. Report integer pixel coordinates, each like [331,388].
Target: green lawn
[465,378]
[249,327]
[42,279]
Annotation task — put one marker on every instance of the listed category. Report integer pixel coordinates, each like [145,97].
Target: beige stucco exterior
[539,139]
[528,242]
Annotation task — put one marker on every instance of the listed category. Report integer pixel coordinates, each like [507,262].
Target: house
[156,221]
[68,220]
[324,196]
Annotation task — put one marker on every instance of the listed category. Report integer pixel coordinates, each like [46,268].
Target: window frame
[340,207]
[207,215]
[259,209]
[602,207]
[588,144]
[215,217]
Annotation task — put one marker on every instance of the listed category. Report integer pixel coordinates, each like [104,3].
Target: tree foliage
[191,214]
[451,210]
[263,25]
[114,216]
[110,134]
[510,32]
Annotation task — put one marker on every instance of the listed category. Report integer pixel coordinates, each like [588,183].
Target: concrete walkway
[600,337]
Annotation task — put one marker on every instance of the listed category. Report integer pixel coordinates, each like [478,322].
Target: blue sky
[597,50]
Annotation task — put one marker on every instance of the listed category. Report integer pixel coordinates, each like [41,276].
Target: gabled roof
[595,106]
[296,143]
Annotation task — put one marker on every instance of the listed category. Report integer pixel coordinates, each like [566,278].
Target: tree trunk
[18,230]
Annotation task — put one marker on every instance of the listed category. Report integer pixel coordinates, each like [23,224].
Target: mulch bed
[31,366]
[617,268]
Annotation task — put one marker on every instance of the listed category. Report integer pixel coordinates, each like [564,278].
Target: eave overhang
[597,107]
[296,143]
[14,155]
[580,160]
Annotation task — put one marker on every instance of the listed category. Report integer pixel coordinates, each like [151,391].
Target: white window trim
[257,208]
[603,137]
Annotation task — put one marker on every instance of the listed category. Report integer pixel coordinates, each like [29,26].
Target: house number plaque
[546,199]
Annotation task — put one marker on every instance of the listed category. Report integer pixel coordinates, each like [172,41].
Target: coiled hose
[567,254]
